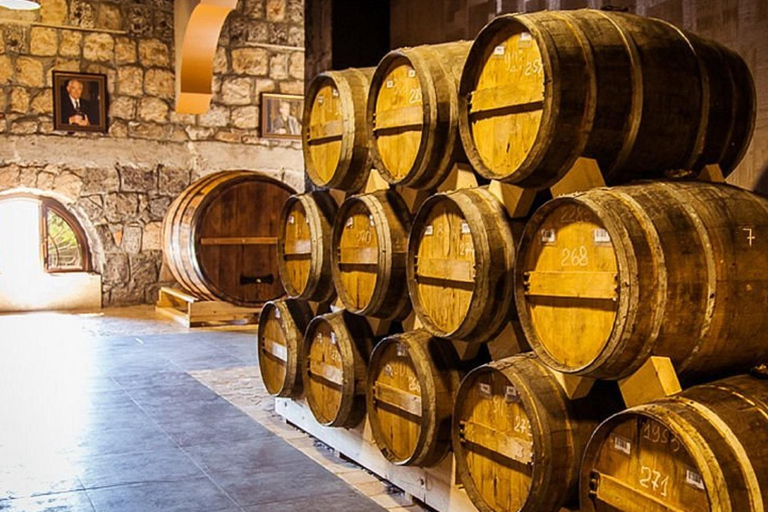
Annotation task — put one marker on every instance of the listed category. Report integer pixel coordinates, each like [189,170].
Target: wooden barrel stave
[334,136]
[280,345]
[671,269]
[370,237]
[337,347]
[412,116]
[407,369]
[460,258]
[623,73]
[704,449]
[518,439]
[216,244]
[304,246]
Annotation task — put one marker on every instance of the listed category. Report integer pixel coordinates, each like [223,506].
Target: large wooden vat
[637,94]
[334,134]
[280,345]
[337,347]
[370,237]
[220,243]
[705,449]
[412,114]
[518,439]
[412,380]
[607,278]
[461,254]
[304,246]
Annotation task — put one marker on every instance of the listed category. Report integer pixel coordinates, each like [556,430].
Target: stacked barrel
[598,281]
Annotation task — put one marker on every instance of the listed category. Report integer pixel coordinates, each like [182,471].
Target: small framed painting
[281,116]
[79,102]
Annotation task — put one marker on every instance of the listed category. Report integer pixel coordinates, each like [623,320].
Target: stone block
[146,131]
[199,132]
[295,12]
[158,206]
[278,33]
[16,38]
[43,103]
[123,107]
[125,50]
[237,91]
[278,66]
[81,14]
[258,32]
[92,207]
[246,117]
[276,10]
[159,82]
[216,117]
[68,185]
[153,109]
[137,179]
[172,181]
[100,180]
[99,47]
[23,126]
[250,61]
[71,43]
[153,237]
[132,239]
[116,268]
[145,268]
[296,37]
[6,69]
[45,180]
[221,61]
[19,100]
[29,72]
[9,177]
[119,207]
[153,52]
[130,80]
[296,66]
[118,129]
[43,41]
[53,11]
[109,16]
[254,8]
[292,87]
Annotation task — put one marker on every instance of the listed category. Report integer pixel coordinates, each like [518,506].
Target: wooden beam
[197,27]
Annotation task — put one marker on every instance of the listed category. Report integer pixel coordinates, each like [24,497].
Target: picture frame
[281,116]
[80,108]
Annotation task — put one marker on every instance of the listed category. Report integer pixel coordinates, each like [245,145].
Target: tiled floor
[95,419]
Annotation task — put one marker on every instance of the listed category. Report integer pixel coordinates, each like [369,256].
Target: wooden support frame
[656,379]
[192,312]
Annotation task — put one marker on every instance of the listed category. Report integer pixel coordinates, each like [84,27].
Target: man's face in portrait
[285,109]
[75,89]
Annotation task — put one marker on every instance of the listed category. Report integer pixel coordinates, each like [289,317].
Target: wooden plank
[397,398]
[578,285]
[434,486]
[615,493]
[326,372]
[175,292]
[191,312]
[656,379]
[275,349]
[506,97]
[325,132]
[359,255]
[497,441]
[584,175]
[448,270]
[298,248]
[403,117]
[248,240]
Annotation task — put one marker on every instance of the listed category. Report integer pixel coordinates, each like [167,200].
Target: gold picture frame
[281,116]
[79,102]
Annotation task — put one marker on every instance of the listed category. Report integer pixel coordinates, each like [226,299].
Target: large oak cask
[412,114]
[220,243]
[540,90]
[280,345]
[461,253]
[705,449]
[370,237]
[518,439]
[609,277]
[334,133]
[304,246]
[337,347]
[412,381]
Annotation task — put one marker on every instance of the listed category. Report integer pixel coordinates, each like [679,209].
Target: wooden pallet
[190,311]
[435,486]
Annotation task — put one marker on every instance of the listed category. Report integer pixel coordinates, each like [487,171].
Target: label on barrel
[402,351]
[320,100]
[277,313]
[465,228]
[499,50]
[429,230]
[525,39]
[548,236]
[621,444]
[601,236]
[350,222]
[370,220]
[291,220]
[390,84]
[335,93]
[694,479]
[485,389]
[411,73]
[333,338]
[511,395]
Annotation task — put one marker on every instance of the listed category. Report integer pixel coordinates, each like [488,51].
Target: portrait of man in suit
[79,103]
[281,115]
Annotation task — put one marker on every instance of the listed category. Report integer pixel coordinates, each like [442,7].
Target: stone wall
[121,183]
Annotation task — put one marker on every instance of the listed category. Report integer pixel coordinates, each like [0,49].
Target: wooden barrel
[280,345]
[540,90]
[370,237]
[304,246]
[337,347]
[461,254]
[704,449]
[220,244]
[412,380]
[518,439]
[607,278]
[412,114]
[334,135]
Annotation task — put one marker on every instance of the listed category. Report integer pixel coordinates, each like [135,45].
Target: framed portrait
[79,102]
[281,115]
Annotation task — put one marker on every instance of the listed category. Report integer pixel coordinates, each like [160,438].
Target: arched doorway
[45,259]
